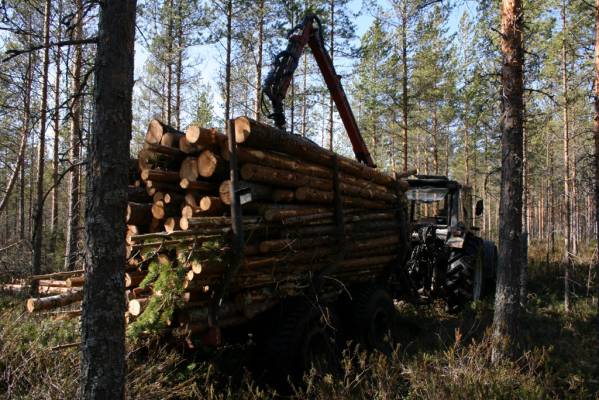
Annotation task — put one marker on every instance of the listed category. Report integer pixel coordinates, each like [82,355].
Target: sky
[206,58]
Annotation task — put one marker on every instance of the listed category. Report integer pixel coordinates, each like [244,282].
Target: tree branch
[17,52]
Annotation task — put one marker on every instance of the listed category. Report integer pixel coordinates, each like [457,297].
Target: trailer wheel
[373,315]
[465,275]
[303,338]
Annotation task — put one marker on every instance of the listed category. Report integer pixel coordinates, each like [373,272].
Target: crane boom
[276,84]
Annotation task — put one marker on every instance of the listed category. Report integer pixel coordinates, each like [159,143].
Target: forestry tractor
[440,257]
[448,259]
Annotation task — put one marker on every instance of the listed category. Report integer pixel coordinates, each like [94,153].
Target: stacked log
[308,214]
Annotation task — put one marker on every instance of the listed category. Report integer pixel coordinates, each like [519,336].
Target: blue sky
[207,58]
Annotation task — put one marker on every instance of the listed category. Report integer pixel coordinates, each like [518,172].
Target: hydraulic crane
[276,84]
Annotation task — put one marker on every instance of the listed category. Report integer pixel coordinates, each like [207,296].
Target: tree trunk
[73,213]
[305,95]
[227,111]
[332,54]
[259,58]
[596,139]
[54,208]
[102,323]
[507,305]
[566,144]
[38,222]
[404,80]
[169,62]
[179,66]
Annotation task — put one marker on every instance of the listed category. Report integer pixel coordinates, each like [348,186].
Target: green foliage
[166,279]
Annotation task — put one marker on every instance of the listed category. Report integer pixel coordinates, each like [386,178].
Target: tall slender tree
[38,229]
[102,321]
[73,206]
[507,304]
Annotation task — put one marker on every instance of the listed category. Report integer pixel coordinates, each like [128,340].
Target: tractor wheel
[465,275]
[303,338]
[373,316]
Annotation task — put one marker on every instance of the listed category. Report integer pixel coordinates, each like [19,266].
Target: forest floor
[438,356]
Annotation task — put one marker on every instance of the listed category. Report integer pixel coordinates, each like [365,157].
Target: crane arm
[276,84]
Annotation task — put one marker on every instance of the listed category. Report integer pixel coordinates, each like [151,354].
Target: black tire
[465,274]
[304,337]
[373,316]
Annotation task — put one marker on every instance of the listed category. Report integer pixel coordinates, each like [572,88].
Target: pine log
[197,185]
[259,135]
[56,275]
[137,306]
[158,198]
[172,224]
[161,212]
[310,195]
[212,165]
[156,175]
[152,187]
[189,148]
[189,169]
[138,214]
[75,281]
[204,137]
[157,129]
[284,178]
[59,300]
[133,279]
[171,139]
[137,194]
[281,161]
[275,214]
[52,283]
[166,150]
[256,192]
[212,205]
[147,159]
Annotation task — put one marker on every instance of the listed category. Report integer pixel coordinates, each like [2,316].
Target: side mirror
[479,208]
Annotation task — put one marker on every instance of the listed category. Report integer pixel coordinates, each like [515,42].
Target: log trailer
[269,236]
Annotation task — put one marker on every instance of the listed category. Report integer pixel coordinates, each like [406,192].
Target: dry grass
[438,356]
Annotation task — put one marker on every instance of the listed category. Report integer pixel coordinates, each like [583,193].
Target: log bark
[255,192]
[156,175]
[138,214]
[310,195]
[197,185]
[258,135]
[204,137]
[48,303]
[165,211]
[75,281]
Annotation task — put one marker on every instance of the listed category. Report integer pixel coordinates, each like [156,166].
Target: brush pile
[311,219]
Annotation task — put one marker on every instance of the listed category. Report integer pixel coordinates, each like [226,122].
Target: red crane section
[276,84]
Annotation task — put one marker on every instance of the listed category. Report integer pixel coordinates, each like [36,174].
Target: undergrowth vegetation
[437,356]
